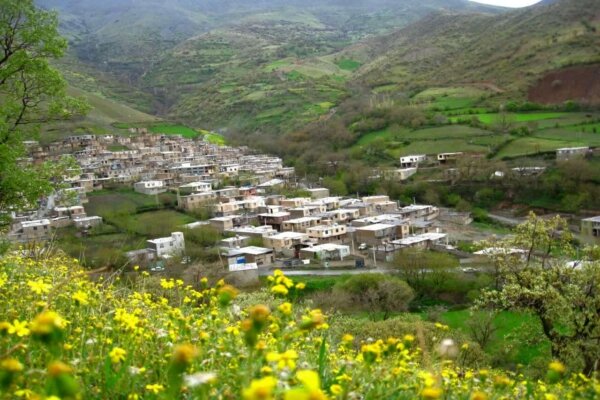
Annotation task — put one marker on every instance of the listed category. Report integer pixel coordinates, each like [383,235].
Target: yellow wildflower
[117,355]
[11,365]
[431,393]
[155,388]
[260,389]
[39,286]
[80,297]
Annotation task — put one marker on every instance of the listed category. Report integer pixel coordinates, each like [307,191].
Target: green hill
[509,52]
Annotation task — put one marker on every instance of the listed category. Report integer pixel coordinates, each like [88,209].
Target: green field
[511,330]
[104,202]
[348,65]
[534,145]
[449,98]
[170,129]
[490,118]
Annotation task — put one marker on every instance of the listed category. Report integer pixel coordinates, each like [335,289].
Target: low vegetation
[167,339]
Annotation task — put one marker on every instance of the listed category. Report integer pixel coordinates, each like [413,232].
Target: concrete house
[195,201]
[412,161]
[376,234]
[318,193]
[285,240]
[275,219]
[250,255]
[590,230]
[444,158]
[31,231]
[325,252]
[568,153]
[301,224]
[195,187]
[150,187]
[327,233]
[419,212]
[168,246]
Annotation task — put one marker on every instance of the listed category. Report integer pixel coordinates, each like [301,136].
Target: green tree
[565,298]
[374,293]
[32,92]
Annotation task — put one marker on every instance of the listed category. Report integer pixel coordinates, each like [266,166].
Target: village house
[275,219]
[568,153]
[150,187]
[342,215]
[444,158]
[235,242]
[419,212]
[590,230]
[294,202]
[252,231]
[250,255]
[195,201]
[376,234]
[286,241]
[325,252]
[412,161]
[195,187]
[31,231]
[307,211]
[222,224]
[330,203]
[318,193]
[301,224]
[168,246]
[327,233]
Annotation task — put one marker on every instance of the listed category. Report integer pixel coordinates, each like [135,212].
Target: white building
[168,246]
[325,252]
[412,161]
[568,153]
[150,187]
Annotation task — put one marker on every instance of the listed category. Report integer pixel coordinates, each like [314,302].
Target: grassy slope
[510,51]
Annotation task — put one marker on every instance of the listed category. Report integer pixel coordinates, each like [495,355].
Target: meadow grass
[65,336]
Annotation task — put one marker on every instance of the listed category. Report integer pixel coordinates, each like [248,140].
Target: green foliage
[32,92]
[565,299]
[373,293]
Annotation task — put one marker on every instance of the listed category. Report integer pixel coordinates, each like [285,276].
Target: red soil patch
[580,84]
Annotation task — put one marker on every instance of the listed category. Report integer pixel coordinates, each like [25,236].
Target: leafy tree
[32,93]
[565,298]
[374,293]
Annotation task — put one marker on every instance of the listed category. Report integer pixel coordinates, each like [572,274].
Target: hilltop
[509,51]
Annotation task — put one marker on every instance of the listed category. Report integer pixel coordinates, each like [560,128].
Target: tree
[32,93]
[418,266]
[565,298]
[374,293]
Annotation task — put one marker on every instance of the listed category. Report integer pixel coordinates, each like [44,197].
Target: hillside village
[264,215]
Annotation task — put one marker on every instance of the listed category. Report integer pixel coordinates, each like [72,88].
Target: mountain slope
[511,51]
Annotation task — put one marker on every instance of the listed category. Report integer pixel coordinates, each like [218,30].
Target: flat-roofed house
[285,240]
[376,234]
[301,224]
[590,230]
[325,252]
[31,231]
[275,219]
[318,193]
[568,153]
[328,233]
[412,161]
[444,158]
[260,256]
[150,187]
[168,246]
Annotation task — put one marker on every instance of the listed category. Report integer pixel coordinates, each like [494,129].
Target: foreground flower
[155,388]
[117,355]
[260,389]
